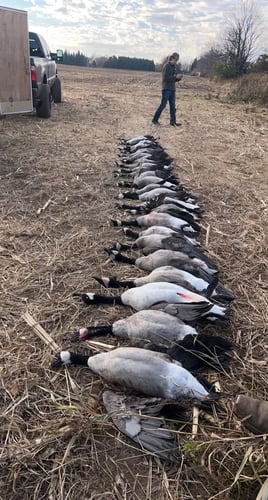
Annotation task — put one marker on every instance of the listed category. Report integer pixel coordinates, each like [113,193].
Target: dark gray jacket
[168,77]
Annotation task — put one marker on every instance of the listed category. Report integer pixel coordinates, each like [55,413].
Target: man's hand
[178,78]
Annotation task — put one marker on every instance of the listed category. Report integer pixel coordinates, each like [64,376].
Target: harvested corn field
[58,196]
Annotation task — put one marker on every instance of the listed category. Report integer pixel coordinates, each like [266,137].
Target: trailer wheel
[56,90]
[43,109]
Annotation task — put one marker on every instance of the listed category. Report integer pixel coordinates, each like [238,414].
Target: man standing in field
[169,78]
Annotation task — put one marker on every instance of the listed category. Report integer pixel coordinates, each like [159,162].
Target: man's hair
[175,55]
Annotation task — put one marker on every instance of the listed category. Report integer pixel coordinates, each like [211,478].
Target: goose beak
[102,281]
[75,337]
[87,298]
[108,250]
[56,363]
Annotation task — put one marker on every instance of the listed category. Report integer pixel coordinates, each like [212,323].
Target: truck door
[15,75]
[50,62]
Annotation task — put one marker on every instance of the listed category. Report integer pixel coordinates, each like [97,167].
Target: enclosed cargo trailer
[15,74]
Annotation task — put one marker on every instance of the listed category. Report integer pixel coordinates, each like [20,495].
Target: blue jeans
[167,96]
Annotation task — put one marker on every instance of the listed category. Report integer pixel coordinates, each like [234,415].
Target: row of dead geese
[180,291]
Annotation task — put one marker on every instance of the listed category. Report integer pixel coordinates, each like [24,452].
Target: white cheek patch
[90,296]
[65,357]
[83,332]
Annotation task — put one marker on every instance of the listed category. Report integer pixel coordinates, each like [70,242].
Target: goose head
[69,358]
[80,335]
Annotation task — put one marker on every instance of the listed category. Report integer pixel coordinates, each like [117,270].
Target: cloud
[135,28]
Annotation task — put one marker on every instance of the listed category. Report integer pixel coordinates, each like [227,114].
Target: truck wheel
[56,90]
[43,109]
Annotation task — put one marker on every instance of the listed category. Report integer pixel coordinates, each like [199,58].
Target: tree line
[75,58]
[121,62]
[129,63]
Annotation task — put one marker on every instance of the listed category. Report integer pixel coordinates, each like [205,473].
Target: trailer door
[15,74]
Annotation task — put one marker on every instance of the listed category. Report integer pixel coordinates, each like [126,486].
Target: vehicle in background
[57,56]
[46,85]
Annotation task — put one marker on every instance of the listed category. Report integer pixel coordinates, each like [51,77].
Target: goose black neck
[132,223]
[124,246]
[78,359]
[102,299]
[99,331]
[125,184]
[121,284]
[123,258]
[126,284]
[130,196]
[131,234]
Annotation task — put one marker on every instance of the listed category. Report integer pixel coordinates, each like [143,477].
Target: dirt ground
[58,194]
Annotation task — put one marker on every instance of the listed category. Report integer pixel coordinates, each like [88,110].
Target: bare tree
[242,33]
[208,63]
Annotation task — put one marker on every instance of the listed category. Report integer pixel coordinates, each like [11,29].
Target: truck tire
[56,90]
[43,109]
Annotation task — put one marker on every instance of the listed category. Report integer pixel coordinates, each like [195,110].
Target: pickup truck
[46,85]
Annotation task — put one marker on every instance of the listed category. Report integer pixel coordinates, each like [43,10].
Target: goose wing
[139,419]
[190,313]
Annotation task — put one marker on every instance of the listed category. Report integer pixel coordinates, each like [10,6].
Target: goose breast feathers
[149,372]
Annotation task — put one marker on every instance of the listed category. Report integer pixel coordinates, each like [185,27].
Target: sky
[148,29]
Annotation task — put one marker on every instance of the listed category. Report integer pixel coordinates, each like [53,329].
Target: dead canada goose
[142,166]
[142,420]
[193,351]
[161,258]
[137,139]
[144,154]
[148,325]
[154,185]
[158,204]
[210,289]
[152,177]
[152,192]
[146,372]
[176,242]
[146,180]
[161,219]
[168,208]
[163,230]
[189,306]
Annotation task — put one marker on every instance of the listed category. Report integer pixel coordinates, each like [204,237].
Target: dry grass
[57,197]
[252,88]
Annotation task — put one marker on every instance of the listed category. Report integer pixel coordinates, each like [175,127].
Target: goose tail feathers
[202,350]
